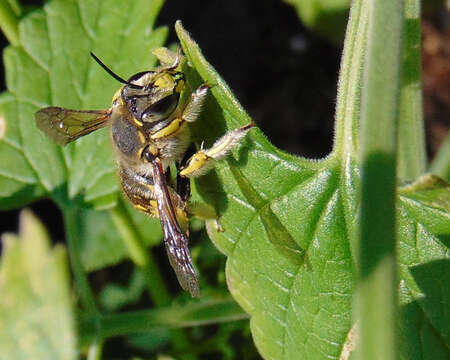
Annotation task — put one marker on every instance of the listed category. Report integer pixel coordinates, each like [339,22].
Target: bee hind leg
[204,159]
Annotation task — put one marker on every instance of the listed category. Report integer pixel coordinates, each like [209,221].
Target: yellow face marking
[197,161]
[164,81]
[169,130]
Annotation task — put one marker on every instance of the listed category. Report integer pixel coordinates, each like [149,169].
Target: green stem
[140,255]
[377,283]
[349,84]
[411,157]
[441,163]
[72,225]
[145,262]
[175,316]
[9,22]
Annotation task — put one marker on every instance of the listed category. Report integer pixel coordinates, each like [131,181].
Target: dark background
[284,75]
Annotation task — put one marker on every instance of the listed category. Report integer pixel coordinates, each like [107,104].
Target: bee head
[153,95]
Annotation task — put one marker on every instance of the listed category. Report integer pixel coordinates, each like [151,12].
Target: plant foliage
[291,224]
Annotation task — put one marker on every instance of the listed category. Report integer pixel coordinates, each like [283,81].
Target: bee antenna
[114,75]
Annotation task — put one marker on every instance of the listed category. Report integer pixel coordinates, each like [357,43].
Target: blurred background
[284,72]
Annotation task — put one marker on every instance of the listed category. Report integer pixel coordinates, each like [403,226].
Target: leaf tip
[179,26]
[31,228]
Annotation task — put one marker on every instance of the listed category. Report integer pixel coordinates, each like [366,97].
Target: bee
[150,129]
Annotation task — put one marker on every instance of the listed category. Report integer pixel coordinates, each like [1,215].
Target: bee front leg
[189,114]
[204,159]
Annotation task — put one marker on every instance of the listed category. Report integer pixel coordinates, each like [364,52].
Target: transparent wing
[175,240]
[64,125]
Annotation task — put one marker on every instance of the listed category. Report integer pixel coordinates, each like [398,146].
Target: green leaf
[379,123]
[51,66]
[36,318]
[204,312]
[327,17]
[114,296]
[102,244]
[290,223]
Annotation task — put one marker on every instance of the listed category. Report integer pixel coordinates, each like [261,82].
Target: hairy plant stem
[143,259]
[411,155]
[377,282]
[203,312]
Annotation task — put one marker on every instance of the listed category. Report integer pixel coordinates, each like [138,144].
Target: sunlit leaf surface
[289,230]
[36,319]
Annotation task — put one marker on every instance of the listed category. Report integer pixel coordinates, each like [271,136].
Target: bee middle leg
[204,159]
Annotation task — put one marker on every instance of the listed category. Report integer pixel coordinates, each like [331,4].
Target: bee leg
[195,103]
[204,159]
[189,114]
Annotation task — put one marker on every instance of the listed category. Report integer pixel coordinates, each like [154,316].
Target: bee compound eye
[161,109]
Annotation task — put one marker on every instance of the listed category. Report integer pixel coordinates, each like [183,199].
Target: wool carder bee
[149,131]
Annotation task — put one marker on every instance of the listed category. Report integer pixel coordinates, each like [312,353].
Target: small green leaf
[327,17]
[204,312]
[102,244]
[51,66]
[114,296]
[36,318]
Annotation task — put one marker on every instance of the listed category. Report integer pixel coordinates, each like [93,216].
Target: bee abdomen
[139,189]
